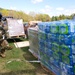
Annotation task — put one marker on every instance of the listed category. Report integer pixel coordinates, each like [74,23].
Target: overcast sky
[51,7]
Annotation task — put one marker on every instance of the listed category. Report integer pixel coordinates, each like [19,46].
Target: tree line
[33,16]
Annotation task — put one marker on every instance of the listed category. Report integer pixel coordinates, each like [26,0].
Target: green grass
[15,62]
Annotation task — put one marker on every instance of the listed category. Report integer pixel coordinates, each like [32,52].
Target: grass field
[15,62]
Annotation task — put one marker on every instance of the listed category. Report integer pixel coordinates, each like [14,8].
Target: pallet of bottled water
[57,46]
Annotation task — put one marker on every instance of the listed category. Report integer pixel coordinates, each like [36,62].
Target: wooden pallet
[11,37]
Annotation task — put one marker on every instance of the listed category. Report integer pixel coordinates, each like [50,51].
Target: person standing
[3,42]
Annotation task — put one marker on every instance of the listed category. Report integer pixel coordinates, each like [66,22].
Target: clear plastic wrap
[33,41]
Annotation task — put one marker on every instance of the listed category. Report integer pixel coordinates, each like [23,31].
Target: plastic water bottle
[73,49]
[66,27]
[54,27]
[73,58]
[66,69]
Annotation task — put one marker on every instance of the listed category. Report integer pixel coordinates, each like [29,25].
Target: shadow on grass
[27,55]
[38,68]
[24,72]
[11,40]
[20,72]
